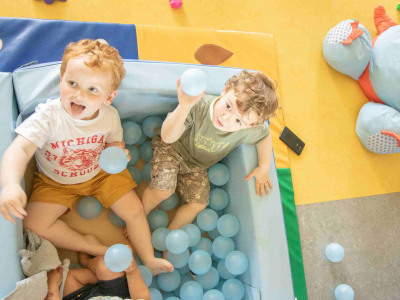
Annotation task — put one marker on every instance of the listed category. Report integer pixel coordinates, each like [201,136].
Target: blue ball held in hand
[89,207]
[118,257]
[113,160]
[334,252]
[344,292]
[193,81]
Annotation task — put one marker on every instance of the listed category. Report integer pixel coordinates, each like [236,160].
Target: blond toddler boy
[67,136]
[200,132]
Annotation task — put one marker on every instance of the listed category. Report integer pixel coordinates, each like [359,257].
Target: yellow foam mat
[319,104]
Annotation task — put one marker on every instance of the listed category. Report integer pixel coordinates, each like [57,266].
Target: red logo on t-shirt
[79,159]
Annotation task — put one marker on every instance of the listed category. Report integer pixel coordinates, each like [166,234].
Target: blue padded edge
[27,40]
[10,234]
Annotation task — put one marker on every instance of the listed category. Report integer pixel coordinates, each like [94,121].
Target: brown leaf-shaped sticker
[210,54]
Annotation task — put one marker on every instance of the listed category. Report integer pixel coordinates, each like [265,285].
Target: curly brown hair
[99,55]
[254,91]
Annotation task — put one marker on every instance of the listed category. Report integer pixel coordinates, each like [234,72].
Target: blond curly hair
[254,91]
[99,55]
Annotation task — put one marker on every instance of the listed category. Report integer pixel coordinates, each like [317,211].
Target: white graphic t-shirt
[69,149]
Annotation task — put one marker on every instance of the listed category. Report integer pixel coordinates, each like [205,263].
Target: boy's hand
[12,202]
[184,99]
[262,180]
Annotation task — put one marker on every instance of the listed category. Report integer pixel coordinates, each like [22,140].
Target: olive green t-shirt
[202,144]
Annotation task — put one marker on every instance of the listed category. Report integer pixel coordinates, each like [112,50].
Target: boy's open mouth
[76,109]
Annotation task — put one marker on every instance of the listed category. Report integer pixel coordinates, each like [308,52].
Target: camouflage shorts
[169,172]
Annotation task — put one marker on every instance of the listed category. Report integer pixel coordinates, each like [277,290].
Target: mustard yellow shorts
[107,188]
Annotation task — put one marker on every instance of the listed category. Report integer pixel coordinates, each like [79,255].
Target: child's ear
[111,97]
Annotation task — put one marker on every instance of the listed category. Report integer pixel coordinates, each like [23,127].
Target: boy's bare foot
[159,265]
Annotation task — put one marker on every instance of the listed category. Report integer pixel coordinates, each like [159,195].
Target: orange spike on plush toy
[382,20]
[355,33]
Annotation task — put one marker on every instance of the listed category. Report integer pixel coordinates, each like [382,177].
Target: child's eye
[238,122]
[228,107]
[72,83]
[93,89]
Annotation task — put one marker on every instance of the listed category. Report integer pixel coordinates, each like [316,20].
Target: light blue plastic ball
[136,174]
[117,221]
[204,244]
[191,290]
[344,292]
[157,218]
[132,132]
[236,262]
[219,174]
[223,272]
[193,232]
[150,124]
[193,81]
[146,275]
[213,234]
[146,151]
[178,260]
[113,160]
[177,241]
[222,246]
[155,294]
[207,219]
[233,289]
[334,252]
[169,203]
[89,207]
[213,295]
[158,238]
[134,154]
[146,172]
[142,140]
[168,282]
[208,280]
[228,225]
[172,298]
[184,278]
[219,199]
[118,257]
[200,262]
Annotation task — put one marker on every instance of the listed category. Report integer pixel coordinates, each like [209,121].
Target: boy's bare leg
[185,215]
[43,219]
[130,209]
[151,198]
[78,278]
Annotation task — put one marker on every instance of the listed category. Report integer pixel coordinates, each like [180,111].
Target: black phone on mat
[292,141]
